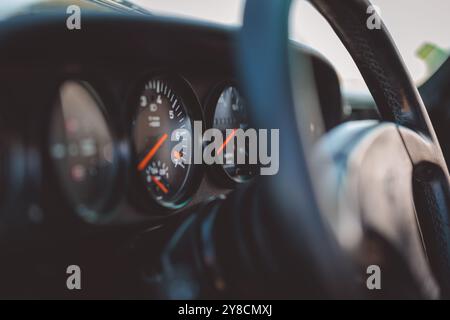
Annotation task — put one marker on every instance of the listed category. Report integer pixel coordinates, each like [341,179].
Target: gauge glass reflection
[81,146]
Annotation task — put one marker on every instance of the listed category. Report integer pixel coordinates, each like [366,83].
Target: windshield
[228,12]
[419,28]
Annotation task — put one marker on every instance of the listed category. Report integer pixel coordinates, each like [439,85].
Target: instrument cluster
[152,162]
[120,144]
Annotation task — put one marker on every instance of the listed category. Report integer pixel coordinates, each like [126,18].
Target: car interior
[241,149]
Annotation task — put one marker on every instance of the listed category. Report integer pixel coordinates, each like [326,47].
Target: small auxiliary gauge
[228,113]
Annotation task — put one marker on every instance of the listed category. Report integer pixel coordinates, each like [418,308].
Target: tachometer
[162,150]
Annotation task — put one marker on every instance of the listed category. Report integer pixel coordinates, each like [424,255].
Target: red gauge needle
[143,164]
[227,140]
[160,185]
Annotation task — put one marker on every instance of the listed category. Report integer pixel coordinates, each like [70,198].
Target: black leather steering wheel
[366,193]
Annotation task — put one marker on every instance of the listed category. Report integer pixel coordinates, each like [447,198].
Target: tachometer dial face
[81,147]
[230,114]
[162,148]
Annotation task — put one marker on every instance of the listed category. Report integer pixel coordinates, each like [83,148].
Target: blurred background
[419,28]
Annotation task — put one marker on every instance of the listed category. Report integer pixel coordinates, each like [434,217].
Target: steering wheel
[365,197]
[367,193]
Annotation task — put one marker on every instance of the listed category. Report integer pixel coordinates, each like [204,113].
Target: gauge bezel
[13,163]
[216,171]
[105,207]
[139,194]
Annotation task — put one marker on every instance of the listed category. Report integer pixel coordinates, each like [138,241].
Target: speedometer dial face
[162,151]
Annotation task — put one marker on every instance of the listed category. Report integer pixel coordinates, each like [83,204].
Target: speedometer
[163,157]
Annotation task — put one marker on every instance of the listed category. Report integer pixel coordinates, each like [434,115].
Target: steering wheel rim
[264,42]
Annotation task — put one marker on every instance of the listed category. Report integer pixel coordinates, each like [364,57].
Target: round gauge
[229,115]
[81,147]
[161,132]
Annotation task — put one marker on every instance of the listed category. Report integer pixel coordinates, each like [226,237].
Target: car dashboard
[87,119]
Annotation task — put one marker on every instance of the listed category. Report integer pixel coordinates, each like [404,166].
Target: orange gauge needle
[160,185]
[143,164]
[227,140]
